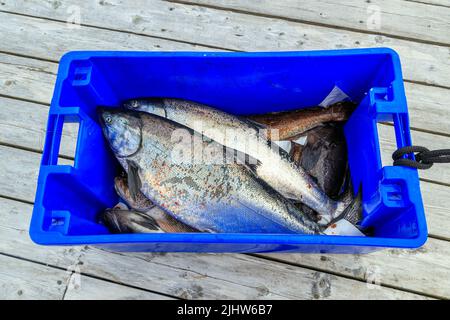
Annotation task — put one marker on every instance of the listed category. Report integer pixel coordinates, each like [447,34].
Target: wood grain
[228,30]
[396,17]
[49,40]
[407,269]
[23,280]
[26,78]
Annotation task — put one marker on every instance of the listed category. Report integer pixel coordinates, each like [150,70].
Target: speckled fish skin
[209,197]
[129,221]
[277,171]
[164,220]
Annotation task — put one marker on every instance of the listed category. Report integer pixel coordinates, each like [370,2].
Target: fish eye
[134,104]
[108,119]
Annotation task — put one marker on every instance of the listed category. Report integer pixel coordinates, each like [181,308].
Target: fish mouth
[110,217]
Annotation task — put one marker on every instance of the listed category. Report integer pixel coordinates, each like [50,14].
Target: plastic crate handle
[52,139]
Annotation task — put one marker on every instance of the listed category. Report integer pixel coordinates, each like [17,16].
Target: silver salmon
[211,197]
[242,135]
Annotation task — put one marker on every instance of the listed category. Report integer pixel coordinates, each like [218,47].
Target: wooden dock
[35,33]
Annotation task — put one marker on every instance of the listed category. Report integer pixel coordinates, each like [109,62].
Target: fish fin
[353,212]
[254,124]
[147,222]
[134,182]
[242,159]
[252,164]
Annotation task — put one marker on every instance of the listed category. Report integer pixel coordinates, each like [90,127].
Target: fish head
[122,129]
[111,217]
[152,105]
[119,220]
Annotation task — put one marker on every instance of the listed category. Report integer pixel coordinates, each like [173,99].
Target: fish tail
[352,207]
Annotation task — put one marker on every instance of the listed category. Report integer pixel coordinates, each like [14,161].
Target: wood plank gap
[23,99]
[431,132]
[326,25]
[10,145]
[16,199]
[67,285]
[420,129]
[435,182]
[32,261]
[11,53]
[429,4]
[426,84]
[6,144]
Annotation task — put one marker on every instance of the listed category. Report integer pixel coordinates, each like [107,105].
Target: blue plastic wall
[68,198]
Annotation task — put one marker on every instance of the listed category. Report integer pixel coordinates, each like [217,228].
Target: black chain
[424,157]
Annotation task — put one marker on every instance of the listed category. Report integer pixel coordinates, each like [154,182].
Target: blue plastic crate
[68,198]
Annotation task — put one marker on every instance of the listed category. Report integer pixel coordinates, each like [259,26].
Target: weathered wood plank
[236,31]
[237,276]
[428,109]
[408,269]
[20,170]
[49,40]
[24,124]
[87,288]
[436,204]
[38,282]
[23,280]
[396,17]
[27,78]
[15,218]
[192,276]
